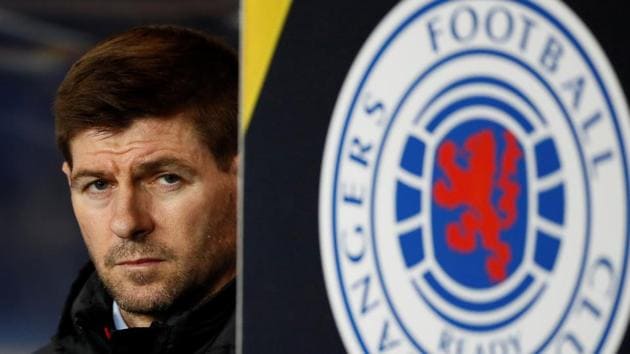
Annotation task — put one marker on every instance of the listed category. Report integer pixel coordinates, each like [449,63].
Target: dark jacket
[86,325]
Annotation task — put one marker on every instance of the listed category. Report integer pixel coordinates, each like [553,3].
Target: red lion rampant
[472,188]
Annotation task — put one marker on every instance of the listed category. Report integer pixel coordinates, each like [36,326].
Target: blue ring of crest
[360,86]
[484,79]
[380,150]
[478,306]
[527,127]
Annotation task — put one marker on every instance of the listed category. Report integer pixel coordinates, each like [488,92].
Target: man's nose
[131,216]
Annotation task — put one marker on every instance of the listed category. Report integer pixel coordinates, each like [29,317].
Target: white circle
[374,303]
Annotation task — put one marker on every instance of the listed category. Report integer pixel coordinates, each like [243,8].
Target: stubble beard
[166,289]
[142,291]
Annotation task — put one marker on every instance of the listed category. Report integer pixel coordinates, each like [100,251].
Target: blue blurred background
[41,248]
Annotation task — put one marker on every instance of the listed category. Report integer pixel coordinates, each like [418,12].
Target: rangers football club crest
[474,188]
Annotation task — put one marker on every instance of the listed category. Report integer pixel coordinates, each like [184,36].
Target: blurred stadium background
[41,250]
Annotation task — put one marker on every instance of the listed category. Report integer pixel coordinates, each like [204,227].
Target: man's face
[157,214]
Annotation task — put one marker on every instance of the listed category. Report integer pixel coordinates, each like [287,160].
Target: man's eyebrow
[167,163]
[83,173]
[143,169]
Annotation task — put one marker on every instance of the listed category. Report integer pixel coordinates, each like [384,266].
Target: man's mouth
[140,262]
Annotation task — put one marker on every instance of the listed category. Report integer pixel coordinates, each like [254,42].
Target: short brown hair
[155,71]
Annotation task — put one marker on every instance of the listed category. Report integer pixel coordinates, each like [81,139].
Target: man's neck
[136,320]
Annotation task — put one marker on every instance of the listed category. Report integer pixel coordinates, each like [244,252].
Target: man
[147,124]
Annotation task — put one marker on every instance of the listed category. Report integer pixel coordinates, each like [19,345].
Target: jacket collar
[88,313]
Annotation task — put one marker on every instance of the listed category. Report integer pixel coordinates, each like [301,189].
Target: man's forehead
[174,133]
[174,130]
[149,126]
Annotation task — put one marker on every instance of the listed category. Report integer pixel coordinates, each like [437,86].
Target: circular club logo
[474,187]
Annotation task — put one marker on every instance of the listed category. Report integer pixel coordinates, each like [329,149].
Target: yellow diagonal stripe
[263,24]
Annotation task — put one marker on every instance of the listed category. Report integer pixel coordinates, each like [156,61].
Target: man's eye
[98,186]
[169,179]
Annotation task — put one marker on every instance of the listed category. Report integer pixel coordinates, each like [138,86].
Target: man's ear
[234,165]
[66,170]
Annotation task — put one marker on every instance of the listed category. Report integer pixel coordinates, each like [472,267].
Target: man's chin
[140,277]
[140,291]
[143,299]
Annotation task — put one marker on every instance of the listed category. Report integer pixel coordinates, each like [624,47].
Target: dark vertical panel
[285,302]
